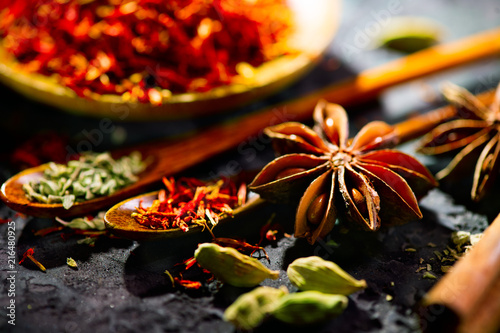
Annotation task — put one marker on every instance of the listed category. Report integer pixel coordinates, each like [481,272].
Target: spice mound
[144,50]
[92,175]
[188,202]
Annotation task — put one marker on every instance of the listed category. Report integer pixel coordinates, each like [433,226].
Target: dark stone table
[120,286]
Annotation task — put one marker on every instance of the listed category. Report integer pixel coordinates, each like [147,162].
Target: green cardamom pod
[315,273]
[309,307]
[232,267]
[250,309]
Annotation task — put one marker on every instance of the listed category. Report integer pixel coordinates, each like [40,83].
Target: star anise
[476,133]
[356,180]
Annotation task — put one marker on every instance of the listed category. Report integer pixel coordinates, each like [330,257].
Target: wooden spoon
[172,157]
[119,220]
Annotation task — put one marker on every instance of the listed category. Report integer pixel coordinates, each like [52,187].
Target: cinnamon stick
[471,290]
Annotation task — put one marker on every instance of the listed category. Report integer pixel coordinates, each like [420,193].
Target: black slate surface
[119,285]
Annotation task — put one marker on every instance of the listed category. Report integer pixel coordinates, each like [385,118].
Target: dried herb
[477,134]
[188,202]
[29,254]
[144,50]
[86,222]
[355,180]
[71,262]
[93,175]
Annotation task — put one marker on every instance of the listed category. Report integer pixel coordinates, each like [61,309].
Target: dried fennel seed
[93,175]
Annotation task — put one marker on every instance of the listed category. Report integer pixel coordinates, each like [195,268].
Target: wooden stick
[363,87]
[472,288]
[370,83]
[421,124]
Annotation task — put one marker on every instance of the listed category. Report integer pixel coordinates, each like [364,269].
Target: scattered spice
[92,175]
[188,284]
[429,275]
[388,298]
[144,50]
[71,263]
[170,277]
[477,134]
[464,241]
[86,222]
[189,202]
[29,254]
[446,269]
[431,244]
[349,179]
[410,249]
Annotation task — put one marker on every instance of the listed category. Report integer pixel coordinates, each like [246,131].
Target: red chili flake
[133,48]
[29,254]
[188,284]
[20,215]
[45,231]
[188,202]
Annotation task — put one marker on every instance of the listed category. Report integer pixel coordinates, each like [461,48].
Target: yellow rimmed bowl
[315,24]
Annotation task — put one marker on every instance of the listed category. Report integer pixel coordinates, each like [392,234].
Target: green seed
[309,307]
[314,273]
[90,176]
[231,267]
[250,309]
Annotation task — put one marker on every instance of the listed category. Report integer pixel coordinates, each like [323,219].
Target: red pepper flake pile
[143,50]
[188,202]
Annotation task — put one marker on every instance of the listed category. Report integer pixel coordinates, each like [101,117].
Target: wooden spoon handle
[472,289]
[364,86]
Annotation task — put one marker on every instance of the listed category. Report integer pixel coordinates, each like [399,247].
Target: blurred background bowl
[315,24]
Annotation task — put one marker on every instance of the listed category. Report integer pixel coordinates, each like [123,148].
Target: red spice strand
[187,202]
[26,254]
[188,284]
[180,45]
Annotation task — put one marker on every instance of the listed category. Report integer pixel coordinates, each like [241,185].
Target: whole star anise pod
[477,134]
[355,180]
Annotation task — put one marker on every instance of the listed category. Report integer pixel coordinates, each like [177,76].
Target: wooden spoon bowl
[119,221]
